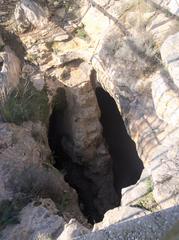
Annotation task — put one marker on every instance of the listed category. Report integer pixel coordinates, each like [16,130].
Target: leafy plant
[25,103]
[81,33]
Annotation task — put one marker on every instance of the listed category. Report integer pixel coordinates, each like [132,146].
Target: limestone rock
[20,149]
[132,194]
[165,177]
[38,220]
[25,168]
[105,14]
[170,56]
[161,27]
[36,77]
[152,226]
[29,12]
[120,214]
[10,72]
[174,7]
[170,5]
[166,99]
[71,230]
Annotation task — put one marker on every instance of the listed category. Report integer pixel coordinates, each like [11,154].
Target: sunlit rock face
[10,70]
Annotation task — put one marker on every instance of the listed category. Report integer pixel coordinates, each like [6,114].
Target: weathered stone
[153,226]
[10,72]
[174,7]
[161,27]
[38,220]
[29,12]
[171,5]
[170,56]
[165,99]
[25,167]
[120,214]
[71,230]
[38,81]
[132,194]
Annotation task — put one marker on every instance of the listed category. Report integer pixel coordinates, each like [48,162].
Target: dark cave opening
[127,167]
[73,172]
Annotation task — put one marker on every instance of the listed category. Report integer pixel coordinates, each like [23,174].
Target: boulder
[118,215]
[29,13]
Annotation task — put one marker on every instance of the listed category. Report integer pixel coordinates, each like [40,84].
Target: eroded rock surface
[38,220]
[10,70]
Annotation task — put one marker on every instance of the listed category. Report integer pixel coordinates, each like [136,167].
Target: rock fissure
[123,167]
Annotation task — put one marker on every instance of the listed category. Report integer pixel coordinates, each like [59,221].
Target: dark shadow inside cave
[127,167]
[73,172]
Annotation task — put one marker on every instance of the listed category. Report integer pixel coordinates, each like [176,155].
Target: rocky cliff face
[53,57]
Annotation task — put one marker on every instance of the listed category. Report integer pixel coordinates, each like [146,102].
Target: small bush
[25,103]
[81,33]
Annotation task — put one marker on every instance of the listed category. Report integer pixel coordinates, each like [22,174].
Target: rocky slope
[53,56]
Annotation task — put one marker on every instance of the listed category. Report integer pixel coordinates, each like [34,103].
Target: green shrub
[81,33]
[25,103]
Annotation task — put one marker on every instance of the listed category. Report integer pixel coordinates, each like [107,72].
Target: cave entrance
[73,172]
[127,166]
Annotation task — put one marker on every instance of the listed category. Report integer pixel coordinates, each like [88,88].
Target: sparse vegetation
[149,184]
[9,211]
[148,202]
[32,57]
[39,182]
[25,103]
[81,33]
[64,202]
